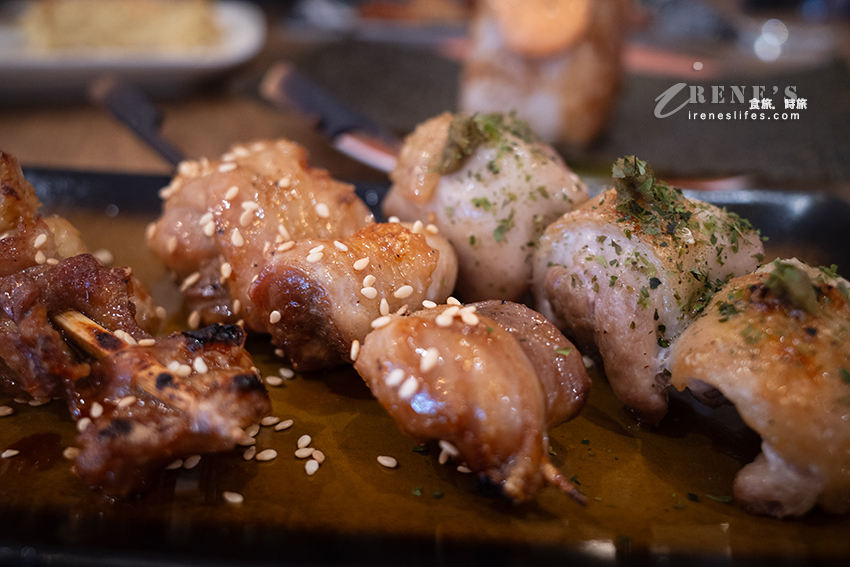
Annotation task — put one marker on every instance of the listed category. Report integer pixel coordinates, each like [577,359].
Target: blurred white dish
[25,71]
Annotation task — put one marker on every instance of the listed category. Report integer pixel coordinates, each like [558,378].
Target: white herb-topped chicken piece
[491,187]
[319,297]
[488,380]
[777,345]
[222,218]
[628,271]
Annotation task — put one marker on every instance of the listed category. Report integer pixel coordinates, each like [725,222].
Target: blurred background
[586,74]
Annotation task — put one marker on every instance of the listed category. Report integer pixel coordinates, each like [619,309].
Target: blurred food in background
[557,63]
[126,24]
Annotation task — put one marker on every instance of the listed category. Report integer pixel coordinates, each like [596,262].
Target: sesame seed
[286,246]
[588,362]
[304,453]
[464,469]
[20,400]
[226,270]
[83,424]
[205,218]
[304,441]
[418,227]
[408,388]
[322,211]
[38,402]
[388,462]
[317,249]
[453,301]
[443,458]
[313,258]
[428,304]
[381,322]
[266,455]
[232,497]
[173,365]
[470,319]
[250,206]
[200,366]
[40,240]
[175,464]
[395,377]
[273,381]
[52,261]
[225,167]
[285,424]
[241,151]
[385,306]
[432,229]
[126,401]
[449,448]
[96,410]
[191,461]
[284,182]
[190,281]
[40,258]
[369,292]
[103,256]
[393,219]
[245,218]
[236,238]
[283,232]
[355,350]
[429,359]
[150,230]
[6,410]
[318,456]
[9,453]
[246,441]
[311,467]
[147,342]
[252,430]
[125,336]
[445,318]
[340,246]
[183,371]
[194,319]
[361,264]
[70,453]
[369,280]
[269,420]
[249,453]
[286,373]
[274,317]
[403,292]
[172,245]
[279,352]
[228,157]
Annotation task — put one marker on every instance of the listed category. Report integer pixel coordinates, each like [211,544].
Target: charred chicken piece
[627,272]
[455,374]
[492,188]
[777,345]
[221,219]
[319,297]
[30,240]
[145,405]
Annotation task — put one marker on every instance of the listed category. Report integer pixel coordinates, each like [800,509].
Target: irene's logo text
[756,97]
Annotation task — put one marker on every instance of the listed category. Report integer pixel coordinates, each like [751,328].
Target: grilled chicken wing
[317,297]
[777,344]
[222,217]
[627,272]
[491,188]
[464,378]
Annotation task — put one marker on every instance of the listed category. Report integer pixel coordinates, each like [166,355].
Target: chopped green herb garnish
[585,441]
[504,226]
[472,240]
[793,284]
[437,494]
[654,283]
[564,351]
[613,281]
[420,449]
[845,375]
[482,203]
[719,498]
[467,133]
[417,491]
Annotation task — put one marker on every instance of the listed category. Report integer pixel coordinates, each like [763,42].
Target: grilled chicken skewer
[629,270]
[488,380]
[777,345]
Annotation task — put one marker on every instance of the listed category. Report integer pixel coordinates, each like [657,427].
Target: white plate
[25,71]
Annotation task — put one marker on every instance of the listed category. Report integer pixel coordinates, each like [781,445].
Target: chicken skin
[319,297]
[462,376]
[777,345]
[628,271]
[492,188]
[222,218]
